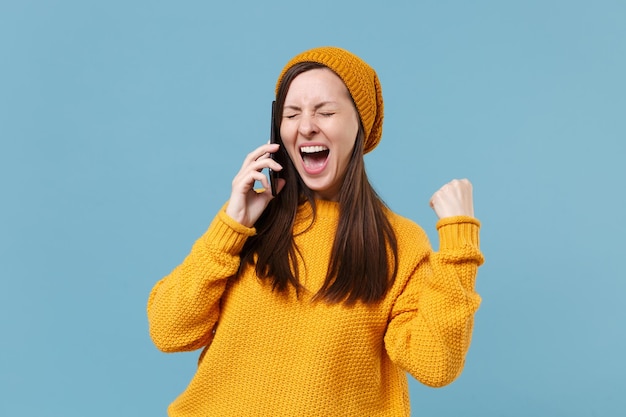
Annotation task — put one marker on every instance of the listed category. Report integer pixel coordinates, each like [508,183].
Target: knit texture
[362,82]
[274,354]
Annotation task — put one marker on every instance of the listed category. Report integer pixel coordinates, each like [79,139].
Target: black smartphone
[274,134]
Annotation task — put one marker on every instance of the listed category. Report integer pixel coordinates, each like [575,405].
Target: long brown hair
[360,268]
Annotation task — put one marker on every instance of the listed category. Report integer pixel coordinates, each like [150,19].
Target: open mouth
[314,157]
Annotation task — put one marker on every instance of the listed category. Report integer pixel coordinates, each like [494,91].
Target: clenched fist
[453,199]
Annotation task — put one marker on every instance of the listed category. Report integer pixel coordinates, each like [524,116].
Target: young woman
[317,302]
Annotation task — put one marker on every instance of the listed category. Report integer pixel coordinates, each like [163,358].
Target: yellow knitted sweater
[273,354]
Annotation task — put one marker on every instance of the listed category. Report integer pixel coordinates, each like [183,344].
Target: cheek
[348,141]
[349,131]
[286,133]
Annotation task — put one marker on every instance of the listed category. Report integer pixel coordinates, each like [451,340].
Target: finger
[461,183]
[259,152]
[260,177]
[260,164]
[264,182]
[245,183]
[468,184]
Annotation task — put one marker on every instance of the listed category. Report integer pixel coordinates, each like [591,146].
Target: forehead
[320,83]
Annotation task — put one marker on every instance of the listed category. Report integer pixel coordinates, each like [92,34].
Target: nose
[307,127]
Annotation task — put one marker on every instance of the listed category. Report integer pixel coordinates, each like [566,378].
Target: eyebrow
[317,106]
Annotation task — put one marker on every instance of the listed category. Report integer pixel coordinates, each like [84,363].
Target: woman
[319,300]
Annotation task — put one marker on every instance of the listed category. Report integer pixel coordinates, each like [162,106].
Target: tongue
[314,160]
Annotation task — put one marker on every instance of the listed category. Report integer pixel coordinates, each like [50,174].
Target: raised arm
[432,319]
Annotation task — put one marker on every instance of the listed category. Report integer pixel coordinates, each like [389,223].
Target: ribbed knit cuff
[226,234]
[458,231]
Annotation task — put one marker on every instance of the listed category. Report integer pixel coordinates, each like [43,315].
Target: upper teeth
[313,149]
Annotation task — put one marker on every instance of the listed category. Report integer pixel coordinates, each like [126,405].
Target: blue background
[122,124]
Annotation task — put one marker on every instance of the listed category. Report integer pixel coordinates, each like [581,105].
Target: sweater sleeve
[183,307]
[431,321]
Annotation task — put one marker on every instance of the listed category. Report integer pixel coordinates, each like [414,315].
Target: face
[319,129]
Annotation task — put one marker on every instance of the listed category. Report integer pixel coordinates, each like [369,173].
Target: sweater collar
[328,210]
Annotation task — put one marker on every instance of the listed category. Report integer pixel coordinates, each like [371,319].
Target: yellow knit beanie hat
[362,83]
